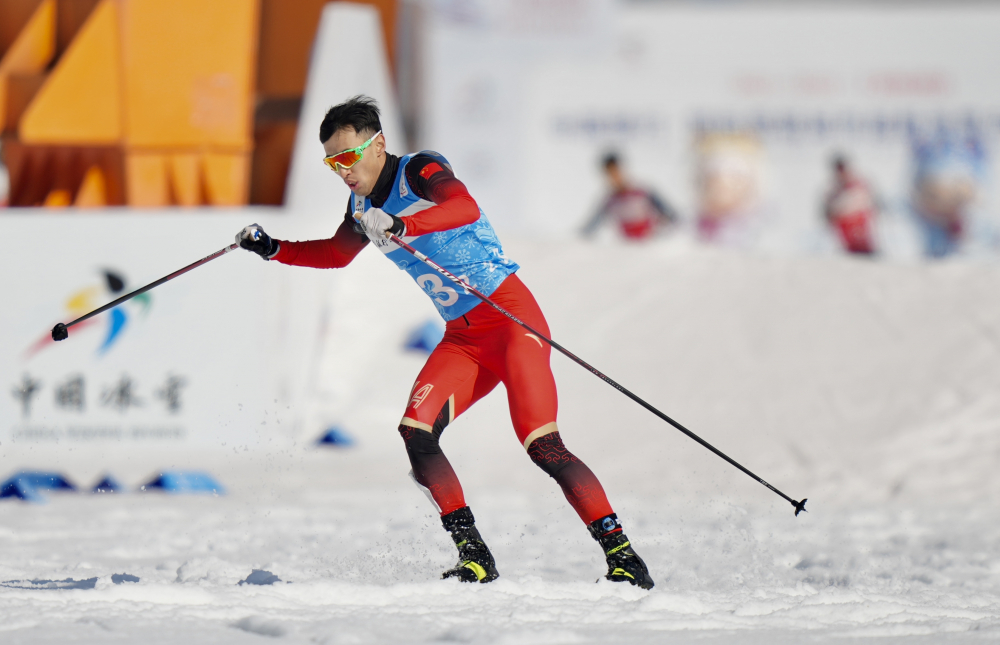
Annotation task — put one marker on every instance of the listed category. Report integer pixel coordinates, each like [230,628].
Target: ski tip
[59,332]
[800,507]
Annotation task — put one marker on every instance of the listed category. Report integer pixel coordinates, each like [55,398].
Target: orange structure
[153,102]
[29,53]
[80,101]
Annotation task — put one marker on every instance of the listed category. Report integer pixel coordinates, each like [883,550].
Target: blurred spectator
[728,181]
[946,184]
[638,212]
[850,209]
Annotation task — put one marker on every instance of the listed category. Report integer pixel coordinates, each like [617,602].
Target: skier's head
[350,125]
[840,166]
[613,172]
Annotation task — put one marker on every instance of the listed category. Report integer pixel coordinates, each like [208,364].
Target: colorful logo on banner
[92,297]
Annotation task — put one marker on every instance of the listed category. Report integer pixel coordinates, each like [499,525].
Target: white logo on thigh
[536,339]
[420,395]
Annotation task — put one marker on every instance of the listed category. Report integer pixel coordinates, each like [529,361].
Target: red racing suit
[479,350]
[851,209]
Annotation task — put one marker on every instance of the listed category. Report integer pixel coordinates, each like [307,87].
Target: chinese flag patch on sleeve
[430,169]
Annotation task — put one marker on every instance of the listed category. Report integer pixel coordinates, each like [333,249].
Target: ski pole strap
[799,506]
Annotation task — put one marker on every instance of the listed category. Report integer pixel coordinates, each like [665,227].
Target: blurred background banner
[478,105]
[734,111]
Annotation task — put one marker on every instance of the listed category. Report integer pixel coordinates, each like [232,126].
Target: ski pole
[799,506]
[60,331]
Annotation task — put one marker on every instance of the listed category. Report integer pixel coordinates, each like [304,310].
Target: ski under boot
[624,564]
[475,562]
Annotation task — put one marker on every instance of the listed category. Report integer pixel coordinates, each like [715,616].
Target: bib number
[431,283]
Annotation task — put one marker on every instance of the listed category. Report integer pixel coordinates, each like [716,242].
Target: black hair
[610,159]
[839,162]
[359,113]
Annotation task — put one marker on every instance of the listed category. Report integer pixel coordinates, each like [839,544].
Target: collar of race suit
[386,179]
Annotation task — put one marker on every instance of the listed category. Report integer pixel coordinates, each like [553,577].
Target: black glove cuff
[273,249]
[398,227]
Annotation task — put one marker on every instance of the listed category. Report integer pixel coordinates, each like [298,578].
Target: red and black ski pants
[480,350]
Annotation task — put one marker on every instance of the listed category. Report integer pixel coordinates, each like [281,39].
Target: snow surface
[872,389]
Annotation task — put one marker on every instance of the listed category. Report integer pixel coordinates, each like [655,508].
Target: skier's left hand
[378,224]
[253,238]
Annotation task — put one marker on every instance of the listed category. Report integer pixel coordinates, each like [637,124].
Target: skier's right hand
[253,238]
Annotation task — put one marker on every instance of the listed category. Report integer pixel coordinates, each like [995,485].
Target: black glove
[253,238]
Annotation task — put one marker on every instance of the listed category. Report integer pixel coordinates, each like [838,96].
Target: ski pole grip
[59,332]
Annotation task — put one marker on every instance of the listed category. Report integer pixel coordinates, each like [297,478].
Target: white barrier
[203,359]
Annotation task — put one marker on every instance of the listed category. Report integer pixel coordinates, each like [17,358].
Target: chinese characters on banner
[72,398]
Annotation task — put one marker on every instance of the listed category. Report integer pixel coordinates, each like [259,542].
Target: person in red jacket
[639,213]
[850,209]
[418,198]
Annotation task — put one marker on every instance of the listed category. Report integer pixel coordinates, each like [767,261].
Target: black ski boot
[624,565]
[475,562]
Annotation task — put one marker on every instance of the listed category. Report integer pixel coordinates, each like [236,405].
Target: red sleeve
[437,183]
[334,253]
[455,207]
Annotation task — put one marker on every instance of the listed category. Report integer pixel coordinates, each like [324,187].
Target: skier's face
[360,177]
[615,177]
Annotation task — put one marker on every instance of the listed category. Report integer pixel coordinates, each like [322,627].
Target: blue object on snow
[27,484]
[425,337]
[21,490]
[259,577]
[108,485]
[185,481]
[336,436]
[119,578]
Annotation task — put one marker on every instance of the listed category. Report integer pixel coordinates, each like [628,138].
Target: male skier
[850,209]
[418,198]
[639,213]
